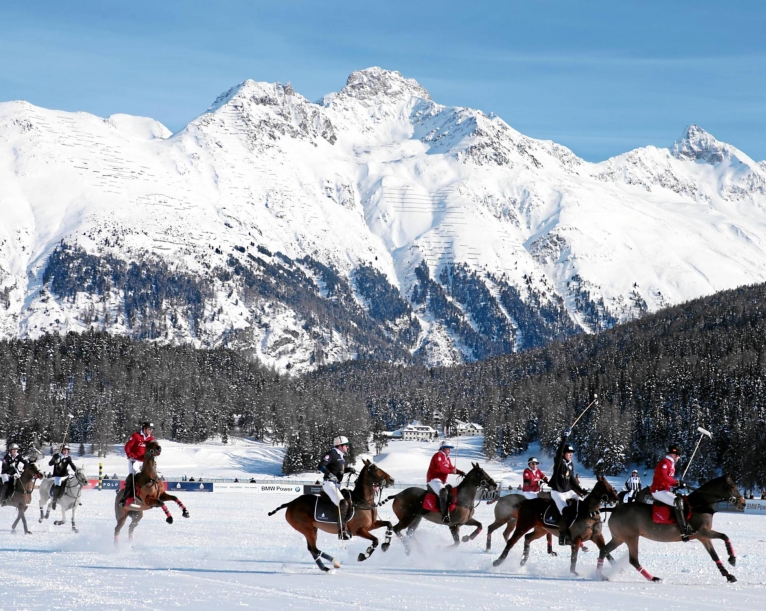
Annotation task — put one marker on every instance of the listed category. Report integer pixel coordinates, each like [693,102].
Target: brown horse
[506,513]
[22,495]
[634,520]
[587,525]
[408,507]
[300,515]
[150,492]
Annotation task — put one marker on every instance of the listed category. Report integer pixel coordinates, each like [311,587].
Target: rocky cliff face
[375,223]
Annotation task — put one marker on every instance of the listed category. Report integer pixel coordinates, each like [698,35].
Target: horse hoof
[385,547]
[603,577]
[465,539]
[732,560]
[731,579]
[575,573]
[335,563]
[27,532]
[40,521]
[361,558]
[185,513]
[169,519]
[656,580]
[498,562]
[523,562]
[552,553]
[74,530]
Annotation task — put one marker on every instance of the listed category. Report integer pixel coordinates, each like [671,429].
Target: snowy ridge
[375,223]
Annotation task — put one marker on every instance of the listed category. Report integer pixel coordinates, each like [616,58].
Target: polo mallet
[591,404]
[703,433]
[63,443]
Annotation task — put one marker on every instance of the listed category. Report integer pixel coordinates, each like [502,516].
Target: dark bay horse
[634,520]
[586,527]
[300,515]
[22,495]
[151,493]
[408,507]
[506,513]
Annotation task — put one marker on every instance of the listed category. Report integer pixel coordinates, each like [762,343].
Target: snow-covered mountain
[374,223]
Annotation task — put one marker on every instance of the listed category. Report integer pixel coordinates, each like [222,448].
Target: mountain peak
[698,145]
[375,81]
[257,91]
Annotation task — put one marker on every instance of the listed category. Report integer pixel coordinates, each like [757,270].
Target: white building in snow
[461,429]
[415,431]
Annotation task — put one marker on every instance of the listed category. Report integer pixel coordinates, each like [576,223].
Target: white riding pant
[131,467]
[332,490]
[526,494]
[561,498]
[665,496]
[57,481]
[6,477]
[436,486]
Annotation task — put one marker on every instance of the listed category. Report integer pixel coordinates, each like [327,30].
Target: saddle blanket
[326,511]
[552,515]
[431,501]
[665,514]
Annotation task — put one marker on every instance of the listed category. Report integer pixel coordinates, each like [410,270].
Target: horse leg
[168,518]
[74,511]
[120,523]
[23,515]
[492,528]
[389,532]
[165,497]
[521,530]
[606,552]
[410,523]
[528,538]
[365,534]
[316,553]
[18,518]
[549,541]
[455,532]
[135,518]
[475,533]
[633,555]
[714,534]
[573,559]
[711,550]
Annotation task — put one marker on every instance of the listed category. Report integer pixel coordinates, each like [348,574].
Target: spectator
[191,479]
[236,480]
[252,480]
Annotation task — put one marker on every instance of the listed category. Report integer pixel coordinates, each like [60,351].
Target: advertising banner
[293,489]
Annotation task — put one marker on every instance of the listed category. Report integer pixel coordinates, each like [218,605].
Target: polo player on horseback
[440,467]
[532,477]
[11,471]
[564,485]
[135,450]
[663,485]
[61,463]
[333,466]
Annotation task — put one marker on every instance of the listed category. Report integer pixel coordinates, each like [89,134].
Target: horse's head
[480,478]
[377,476]
[732,493]
[33,470]
[605,491]
[153,449]
[82,479]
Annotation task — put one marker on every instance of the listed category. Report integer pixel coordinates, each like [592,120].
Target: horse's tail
[393,496]
[271,513]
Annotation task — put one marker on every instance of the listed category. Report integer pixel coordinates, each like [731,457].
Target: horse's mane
[358,492]
[711,492]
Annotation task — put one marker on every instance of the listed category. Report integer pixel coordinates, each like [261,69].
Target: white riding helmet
[13,446]
[446,445]
[340,440]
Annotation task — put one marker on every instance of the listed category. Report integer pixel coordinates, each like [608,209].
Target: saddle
[665,514]
[326,511]
[551,515]
[431,501]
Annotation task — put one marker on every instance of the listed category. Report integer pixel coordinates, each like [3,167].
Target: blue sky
[598,77]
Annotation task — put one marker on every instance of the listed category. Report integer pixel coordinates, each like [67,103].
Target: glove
[350,470]
[332,478]
[459,472]
[681,484]
[56,459]
[567,433]
[545,479]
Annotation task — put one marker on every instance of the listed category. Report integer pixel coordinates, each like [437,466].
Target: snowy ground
[230,554]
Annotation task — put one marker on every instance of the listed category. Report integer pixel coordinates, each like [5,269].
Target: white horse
[69,500]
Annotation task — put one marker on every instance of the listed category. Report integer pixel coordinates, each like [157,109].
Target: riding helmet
[340,440]
[147,425]
[673,449]
[568,448]
[64,447]
[533,460]
[446,445]
[13,446]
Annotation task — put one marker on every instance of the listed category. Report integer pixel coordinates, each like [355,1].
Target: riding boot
[564,521]
[444,503]
[7,490]
[343,533]
[55,495]
[683,525]
[128,490]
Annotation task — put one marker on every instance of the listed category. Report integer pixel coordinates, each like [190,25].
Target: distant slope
[372,224]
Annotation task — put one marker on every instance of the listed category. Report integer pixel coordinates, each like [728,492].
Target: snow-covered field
[231,554]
